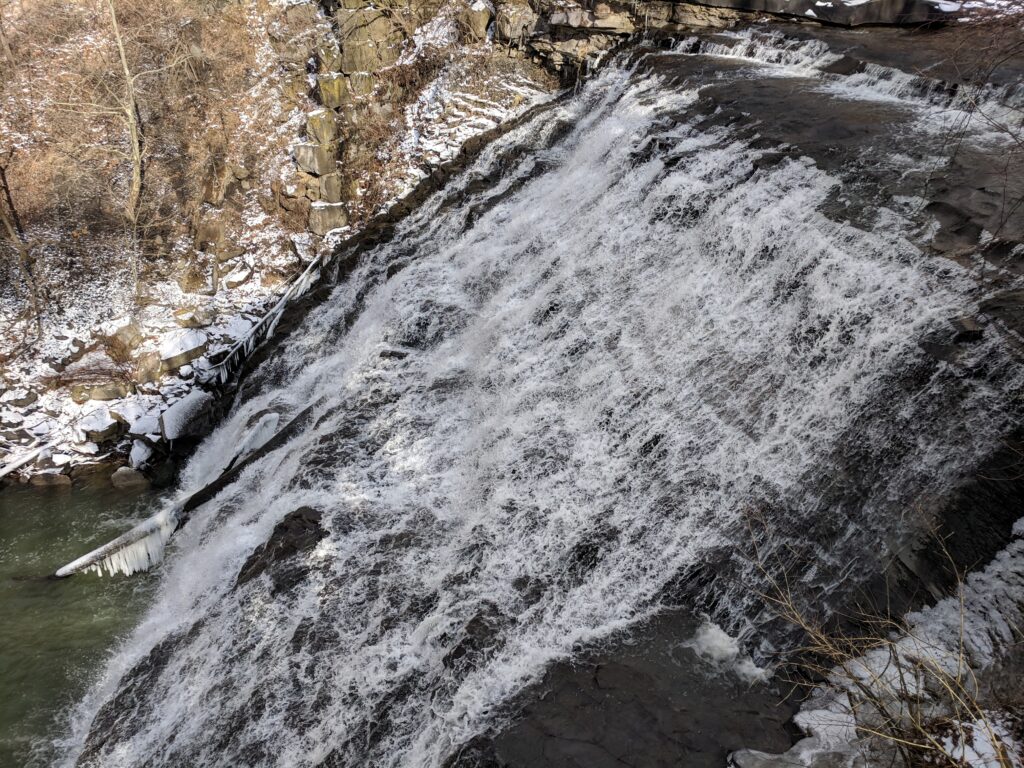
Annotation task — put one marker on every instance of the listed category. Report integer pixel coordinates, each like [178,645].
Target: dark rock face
[649,703]
[114,719]
[299,532]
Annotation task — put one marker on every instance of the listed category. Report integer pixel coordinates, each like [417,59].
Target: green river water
[55,634]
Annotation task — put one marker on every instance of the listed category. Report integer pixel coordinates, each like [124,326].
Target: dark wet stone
[968,329]
[648,702]
[116,719]
[480,637]
[846,65]
[298,532]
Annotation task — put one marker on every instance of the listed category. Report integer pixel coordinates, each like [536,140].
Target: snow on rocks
[140,454]
[99,426]
[960,637]
[189,417]
[182,347]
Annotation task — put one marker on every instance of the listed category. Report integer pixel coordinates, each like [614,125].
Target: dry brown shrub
[911,697]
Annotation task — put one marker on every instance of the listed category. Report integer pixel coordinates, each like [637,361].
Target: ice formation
[137,550]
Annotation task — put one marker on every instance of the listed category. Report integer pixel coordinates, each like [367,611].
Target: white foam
[715,645]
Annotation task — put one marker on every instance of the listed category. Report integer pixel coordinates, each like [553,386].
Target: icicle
[137,550]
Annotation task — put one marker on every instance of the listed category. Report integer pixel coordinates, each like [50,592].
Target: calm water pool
[54,634]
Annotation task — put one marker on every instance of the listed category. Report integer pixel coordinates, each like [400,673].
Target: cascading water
[569,381]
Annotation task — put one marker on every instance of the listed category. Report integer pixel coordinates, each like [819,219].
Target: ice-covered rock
[140,454]
[126,477]
[189,417]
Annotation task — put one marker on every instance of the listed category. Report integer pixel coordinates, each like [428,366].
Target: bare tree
[16,235]
[129,108]
[118,98]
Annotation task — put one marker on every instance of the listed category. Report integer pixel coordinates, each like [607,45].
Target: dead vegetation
[105,129]
[916,700]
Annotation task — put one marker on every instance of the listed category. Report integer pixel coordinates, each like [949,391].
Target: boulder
[323,217]
[317,159]
[514,20]
[217,184]
[190,417]
[333,89]
[126,477]
[209,232]
[656,13]
[51,480]
[11,419]
[331,188]
[148,367]
[109,390]
[361,83]
[705,16]
[478,18]
[368,56]
[144,426]
[18,398]
[193,317]
[300,16]
[365,25]
[93,469]
[322,126]
[122,334]
[80,393]
[616,22]
[238,276]
[182,348]
[295,88]
[328,56]
[226,250]
[99,426]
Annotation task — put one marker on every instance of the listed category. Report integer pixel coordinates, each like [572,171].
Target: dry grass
[63,133]
[911,697]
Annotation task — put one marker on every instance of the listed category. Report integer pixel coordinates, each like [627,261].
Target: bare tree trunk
[16,234]
[133,122]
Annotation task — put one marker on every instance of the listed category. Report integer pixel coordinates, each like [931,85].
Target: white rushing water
[598,359]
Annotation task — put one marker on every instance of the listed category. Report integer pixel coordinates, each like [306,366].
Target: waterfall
[569,381]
